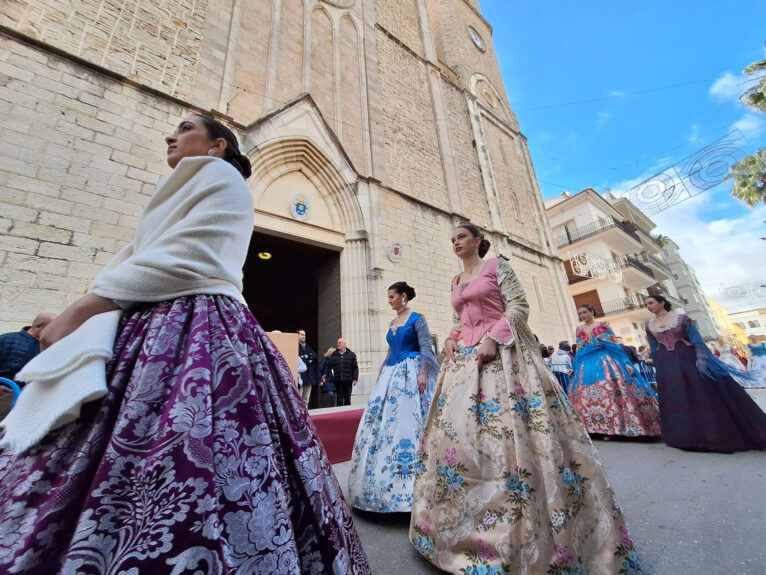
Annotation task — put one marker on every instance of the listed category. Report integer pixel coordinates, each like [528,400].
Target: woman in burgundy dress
[702,407]
[201,456]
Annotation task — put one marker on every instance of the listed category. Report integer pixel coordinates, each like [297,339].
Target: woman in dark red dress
[702,407]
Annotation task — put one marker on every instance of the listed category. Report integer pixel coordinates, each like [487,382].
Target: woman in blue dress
[607,393]
[757,365]
[386,445]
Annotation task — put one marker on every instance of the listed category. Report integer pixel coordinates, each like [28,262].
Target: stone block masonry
[155,42]
[73,175]
[403,93]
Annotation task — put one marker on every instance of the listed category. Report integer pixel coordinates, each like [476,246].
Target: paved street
[689,513]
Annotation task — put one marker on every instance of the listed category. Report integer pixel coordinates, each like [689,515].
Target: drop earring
[211,152]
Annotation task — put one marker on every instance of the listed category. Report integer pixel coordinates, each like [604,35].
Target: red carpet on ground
[337,431]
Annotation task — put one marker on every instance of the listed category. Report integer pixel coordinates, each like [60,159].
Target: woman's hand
[487,352]
[422,383]
[450,347]
[73,317]
[630,370]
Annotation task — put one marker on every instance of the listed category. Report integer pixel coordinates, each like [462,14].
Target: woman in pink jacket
[507,479]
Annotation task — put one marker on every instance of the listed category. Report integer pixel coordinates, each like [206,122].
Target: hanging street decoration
[704,169]
[594,267]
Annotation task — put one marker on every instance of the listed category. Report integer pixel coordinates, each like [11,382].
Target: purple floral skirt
[200,459]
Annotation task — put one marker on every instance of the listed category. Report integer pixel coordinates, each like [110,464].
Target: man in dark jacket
[345,371]
[18,347]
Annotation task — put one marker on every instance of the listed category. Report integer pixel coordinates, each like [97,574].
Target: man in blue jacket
[18,347]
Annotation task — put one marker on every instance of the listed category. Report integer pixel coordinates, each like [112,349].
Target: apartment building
[611,260]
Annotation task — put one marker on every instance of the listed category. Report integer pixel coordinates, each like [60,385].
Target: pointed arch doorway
[291,284]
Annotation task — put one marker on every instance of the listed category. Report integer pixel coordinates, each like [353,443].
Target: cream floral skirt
[508,481]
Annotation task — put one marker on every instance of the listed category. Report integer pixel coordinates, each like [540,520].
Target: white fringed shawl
[192,238]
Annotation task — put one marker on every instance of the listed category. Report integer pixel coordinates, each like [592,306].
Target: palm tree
[661,240]
[749,173]
[755,96]
[749,176]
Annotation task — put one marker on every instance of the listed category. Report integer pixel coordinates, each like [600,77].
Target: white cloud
[750,125]
[724,252]
[728,87]
[694,135]
[616,93]
[602,118]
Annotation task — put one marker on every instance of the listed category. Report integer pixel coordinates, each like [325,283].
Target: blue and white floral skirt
[385,450]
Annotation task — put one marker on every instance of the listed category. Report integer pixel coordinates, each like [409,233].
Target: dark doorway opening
[291,285]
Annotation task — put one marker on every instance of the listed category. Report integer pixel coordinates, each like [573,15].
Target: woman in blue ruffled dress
[608,394]
[756,367]
[386,445]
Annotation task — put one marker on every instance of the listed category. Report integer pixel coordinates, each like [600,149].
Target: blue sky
[656,82]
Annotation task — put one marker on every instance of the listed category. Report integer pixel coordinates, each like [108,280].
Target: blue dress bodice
[403,341]
[758,350]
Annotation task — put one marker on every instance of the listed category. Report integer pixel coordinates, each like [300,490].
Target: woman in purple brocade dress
[702,407]
[201,458]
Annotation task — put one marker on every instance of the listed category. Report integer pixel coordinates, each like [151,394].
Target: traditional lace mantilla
[670,326]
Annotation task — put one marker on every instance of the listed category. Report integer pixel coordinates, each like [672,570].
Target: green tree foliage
[661,240]
[749,175]
[755,96]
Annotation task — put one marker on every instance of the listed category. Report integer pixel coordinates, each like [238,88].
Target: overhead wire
[622,95]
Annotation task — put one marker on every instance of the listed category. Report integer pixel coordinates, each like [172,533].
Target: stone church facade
[386,122]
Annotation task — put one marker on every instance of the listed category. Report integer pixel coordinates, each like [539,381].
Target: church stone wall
[466,162]
[81,152]
[513,185]
[400,19]
[413,160]
[427,263]
[80,156]
[156,42]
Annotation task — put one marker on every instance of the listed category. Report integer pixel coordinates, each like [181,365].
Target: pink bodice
[480,306]
[669,336]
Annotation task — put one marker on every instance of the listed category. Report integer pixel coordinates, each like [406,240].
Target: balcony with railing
[660,267]
[571,236]
[620,306]
[632,261]
[651,241]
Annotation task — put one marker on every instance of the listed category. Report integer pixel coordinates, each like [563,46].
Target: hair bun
[484,247]
[242,163]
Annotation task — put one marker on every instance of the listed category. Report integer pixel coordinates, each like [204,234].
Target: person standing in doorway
[345,371]
[309,357]
[326,385]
